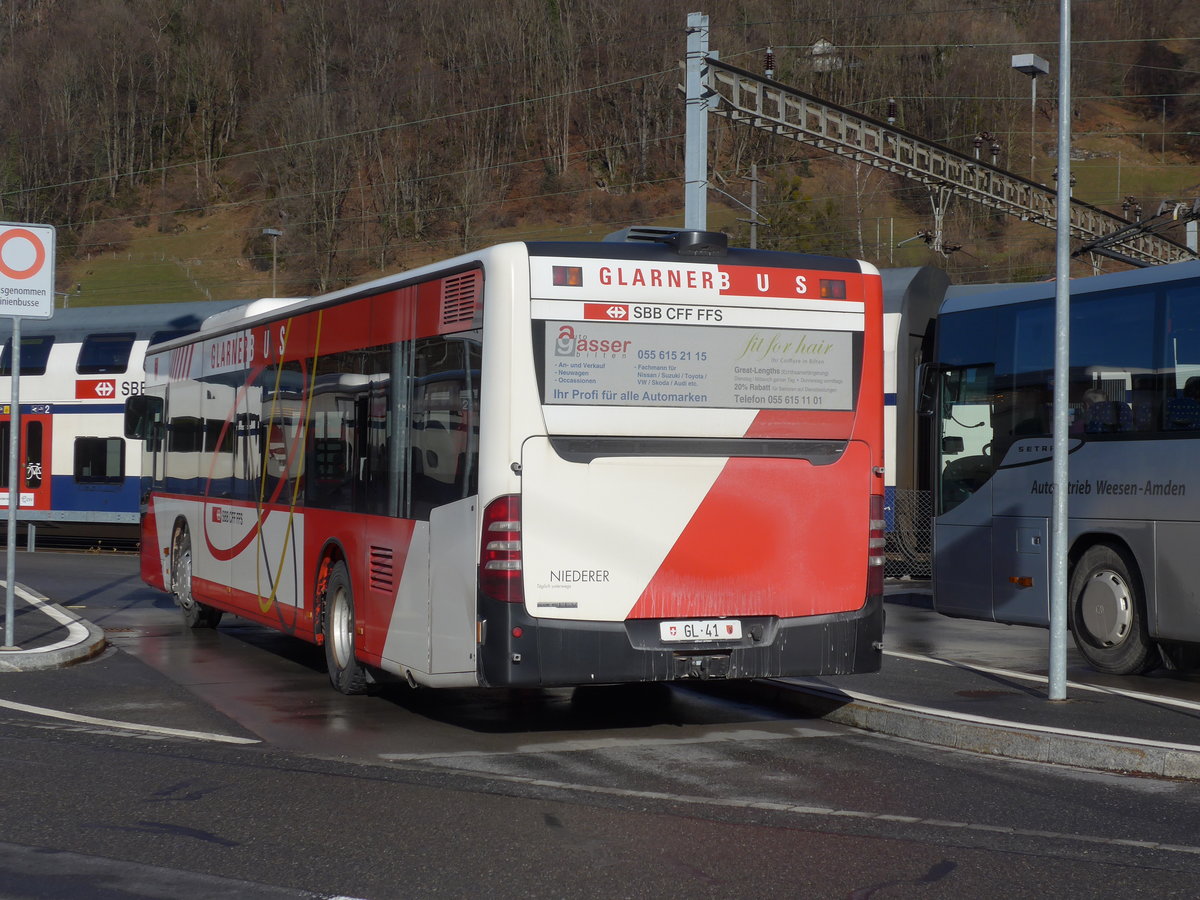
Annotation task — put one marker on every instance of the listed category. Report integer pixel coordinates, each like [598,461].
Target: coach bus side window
[1113,379]
[1022,405]
[1180,355]
[443,426]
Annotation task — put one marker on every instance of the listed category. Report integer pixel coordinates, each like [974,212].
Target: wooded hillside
[376,134]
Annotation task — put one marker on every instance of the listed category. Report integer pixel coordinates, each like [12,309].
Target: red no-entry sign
[26,270]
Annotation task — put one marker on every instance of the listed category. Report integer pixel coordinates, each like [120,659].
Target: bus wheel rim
[1107,608]
[183,576]
[341,626]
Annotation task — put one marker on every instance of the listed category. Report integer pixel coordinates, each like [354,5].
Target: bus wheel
[1108,615]
[345,672]
[195,614]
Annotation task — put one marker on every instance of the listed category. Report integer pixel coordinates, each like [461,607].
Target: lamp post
[274,234]
[1033,66]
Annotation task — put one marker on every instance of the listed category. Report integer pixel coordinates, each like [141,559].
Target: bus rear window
[625,364]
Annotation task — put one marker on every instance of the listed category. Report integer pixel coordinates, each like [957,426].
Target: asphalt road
[622,792]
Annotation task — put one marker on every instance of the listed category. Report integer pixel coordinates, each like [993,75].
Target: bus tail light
[500,550]
[876,542]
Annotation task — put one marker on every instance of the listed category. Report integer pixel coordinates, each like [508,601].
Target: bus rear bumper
[521,651]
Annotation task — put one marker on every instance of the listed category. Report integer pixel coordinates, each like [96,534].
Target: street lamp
[1033,66]
[274,234]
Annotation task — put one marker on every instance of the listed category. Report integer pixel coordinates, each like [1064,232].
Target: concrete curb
[993,737]
[83,641]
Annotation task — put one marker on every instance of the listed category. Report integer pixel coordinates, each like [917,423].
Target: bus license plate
[701,630]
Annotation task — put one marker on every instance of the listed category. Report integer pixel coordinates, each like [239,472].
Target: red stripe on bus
[798,547]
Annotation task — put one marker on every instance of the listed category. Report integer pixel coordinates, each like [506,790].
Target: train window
[102,354]
[35,351]
[99,460]
[33,455]
[161,337]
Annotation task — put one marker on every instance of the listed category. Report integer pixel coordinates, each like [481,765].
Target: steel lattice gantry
[762,103]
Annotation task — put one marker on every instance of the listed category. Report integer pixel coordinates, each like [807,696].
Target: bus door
[33,457]
[963,492]
[444,446]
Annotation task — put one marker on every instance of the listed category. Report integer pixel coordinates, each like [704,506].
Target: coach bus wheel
[1108,616]
[345,672]
[195,614]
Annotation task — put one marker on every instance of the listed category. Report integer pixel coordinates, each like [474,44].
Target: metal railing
[909,550]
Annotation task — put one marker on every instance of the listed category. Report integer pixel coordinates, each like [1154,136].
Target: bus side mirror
[143,417]
[952,445]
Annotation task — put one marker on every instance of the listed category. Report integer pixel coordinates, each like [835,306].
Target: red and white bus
[539,464]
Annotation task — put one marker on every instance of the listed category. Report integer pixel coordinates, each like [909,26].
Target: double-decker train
[79,479]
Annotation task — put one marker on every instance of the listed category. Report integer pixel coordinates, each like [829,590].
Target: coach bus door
[963,493]
[32,455]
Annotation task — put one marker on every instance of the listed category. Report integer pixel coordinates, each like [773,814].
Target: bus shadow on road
[590,707]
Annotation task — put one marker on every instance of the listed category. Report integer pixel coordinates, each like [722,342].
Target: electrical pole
[695,163]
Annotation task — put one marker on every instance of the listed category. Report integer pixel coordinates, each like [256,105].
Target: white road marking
[76,631]
[830,812]
[611,743]
[930,712]
[127,726]
[1042,679]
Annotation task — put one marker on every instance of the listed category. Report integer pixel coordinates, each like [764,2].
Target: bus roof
[960,298]
[254,313]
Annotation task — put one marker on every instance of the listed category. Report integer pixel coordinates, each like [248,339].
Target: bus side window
[144,420]
[443,428]
[280,429]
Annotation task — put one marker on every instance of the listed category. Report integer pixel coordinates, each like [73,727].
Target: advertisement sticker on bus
[672,365]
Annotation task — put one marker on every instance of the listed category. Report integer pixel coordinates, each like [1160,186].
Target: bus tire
[195,614]
[1108,613]
[346,673]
